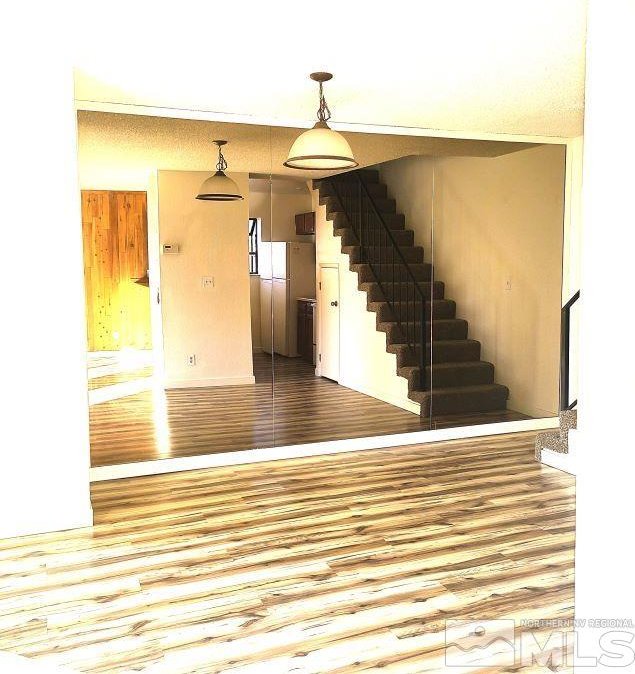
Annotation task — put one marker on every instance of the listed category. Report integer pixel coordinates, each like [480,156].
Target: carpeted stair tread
[445,375]
[403,237]
[439,309]
[384,254]
[394,221]
[558,441]
[422,271]
[441,328]
[376,190]
[401,291]
[443,351]
[382,204]
[479,398]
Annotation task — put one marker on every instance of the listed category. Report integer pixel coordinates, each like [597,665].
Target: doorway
[330,322]
[117,292]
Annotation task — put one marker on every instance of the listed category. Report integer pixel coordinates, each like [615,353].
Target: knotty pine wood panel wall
[115,235]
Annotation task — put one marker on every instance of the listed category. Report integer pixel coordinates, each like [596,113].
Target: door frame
[154,262]
[320,317]
[154,274]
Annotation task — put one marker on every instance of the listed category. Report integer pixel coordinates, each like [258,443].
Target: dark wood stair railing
[565,353]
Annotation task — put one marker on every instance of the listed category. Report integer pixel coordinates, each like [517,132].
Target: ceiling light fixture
[321,148]
[219,187]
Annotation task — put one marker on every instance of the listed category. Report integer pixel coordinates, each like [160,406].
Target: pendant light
[219,187]
[321,148]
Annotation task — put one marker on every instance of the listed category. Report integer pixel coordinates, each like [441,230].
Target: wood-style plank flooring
[288,405]
[341,564]
[119,377]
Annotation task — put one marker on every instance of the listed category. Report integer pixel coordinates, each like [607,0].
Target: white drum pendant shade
[320,149]
[219,187]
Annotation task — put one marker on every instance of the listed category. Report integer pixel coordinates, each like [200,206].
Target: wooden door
[330,323]
[115,236]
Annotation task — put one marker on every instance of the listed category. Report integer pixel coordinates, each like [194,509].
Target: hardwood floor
[288,405]
[119,378]
[342,563]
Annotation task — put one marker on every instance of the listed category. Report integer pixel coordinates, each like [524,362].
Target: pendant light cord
[323,113]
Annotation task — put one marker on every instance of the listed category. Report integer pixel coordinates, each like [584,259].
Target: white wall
[572,257]
[215,323]
[365,366]
[45,456]
[605,461]
[496,220]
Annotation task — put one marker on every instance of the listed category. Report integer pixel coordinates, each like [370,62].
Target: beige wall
[110,160]
[497,221]
[277,213]
[279,208]
[254,300]
[214,324]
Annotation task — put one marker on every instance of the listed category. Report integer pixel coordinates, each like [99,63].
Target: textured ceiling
[135,142]
[493,66]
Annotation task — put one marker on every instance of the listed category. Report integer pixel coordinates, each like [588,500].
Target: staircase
[420,323]
[557,441]
[558,448]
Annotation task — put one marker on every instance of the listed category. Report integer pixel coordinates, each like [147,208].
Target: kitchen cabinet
[305,223]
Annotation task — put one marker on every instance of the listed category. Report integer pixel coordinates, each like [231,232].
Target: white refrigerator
[287,273]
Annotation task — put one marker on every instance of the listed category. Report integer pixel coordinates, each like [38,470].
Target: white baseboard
[210,381]
[560,460]
[49,519]
[530,410]
[245,456]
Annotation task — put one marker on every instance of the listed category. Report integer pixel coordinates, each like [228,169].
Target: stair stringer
[365,365]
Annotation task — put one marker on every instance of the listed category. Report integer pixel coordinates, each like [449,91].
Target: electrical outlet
[207,282]
[191,360]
